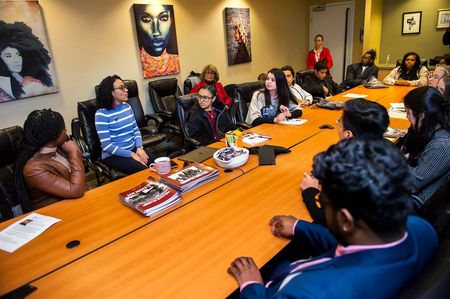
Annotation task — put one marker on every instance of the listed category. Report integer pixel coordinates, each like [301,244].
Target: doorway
[335,22]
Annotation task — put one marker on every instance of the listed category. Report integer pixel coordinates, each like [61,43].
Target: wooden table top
[121,251]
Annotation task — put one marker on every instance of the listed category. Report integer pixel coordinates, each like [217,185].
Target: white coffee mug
[161,165]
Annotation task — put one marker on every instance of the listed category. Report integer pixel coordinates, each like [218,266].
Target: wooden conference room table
[99,232]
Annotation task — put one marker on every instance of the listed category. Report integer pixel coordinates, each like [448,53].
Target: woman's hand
[69,147]
[402,82]
[309,181]
[285,110]
[136,157]
[279,118]
[142,154]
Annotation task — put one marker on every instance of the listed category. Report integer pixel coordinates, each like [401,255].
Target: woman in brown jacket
[49,166]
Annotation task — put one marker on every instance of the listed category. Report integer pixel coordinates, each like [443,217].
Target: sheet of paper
[398,106]
[293,122]
[397,113]
[254,138]
[355,95]
[24,230]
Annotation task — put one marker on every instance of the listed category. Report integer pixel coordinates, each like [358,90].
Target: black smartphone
[173,164]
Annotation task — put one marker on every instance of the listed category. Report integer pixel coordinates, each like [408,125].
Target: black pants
[126,164]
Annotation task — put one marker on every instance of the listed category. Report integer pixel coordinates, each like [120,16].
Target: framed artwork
[443,19]
[26,66]
[157,39]
[411,22]
[237,28]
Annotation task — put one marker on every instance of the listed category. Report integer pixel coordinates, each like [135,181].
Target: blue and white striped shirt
[117,130]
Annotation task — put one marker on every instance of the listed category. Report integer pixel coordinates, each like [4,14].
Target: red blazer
[325,54]
[221,93]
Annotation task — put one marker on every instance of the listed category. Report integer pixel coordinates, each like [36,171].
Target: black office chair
[149,124]
[301,74]
[244,93]
[184,104]
[192,79]
[163,96]
[9,200]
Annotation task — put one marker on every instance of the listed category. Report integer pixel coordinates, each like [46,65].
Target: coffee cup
[161,165]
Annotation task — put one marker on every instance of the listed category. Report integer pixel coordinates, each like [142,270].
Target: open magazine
[190,177]
[150,197]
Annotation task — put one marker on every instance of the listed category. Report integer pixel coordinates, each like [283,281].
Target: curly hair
[364,118]
[105,98]
[368,177]
[40,128]
[414,73]
[35,57]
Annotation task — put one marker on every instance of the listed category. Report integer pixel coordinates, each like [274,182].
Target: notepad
[293,122]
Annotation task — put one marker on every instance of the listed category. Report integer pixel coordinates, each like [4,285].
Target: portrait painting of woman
[157,39]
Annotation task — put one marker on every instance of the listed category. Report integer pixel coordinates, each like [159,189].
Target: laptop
[198,155]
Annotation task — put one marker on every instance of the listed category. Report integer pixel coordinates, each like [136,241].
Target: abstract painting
[237,27]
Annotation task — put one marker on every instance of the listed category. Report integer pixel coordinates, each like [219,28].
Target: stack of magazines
[190,177]
[151,197]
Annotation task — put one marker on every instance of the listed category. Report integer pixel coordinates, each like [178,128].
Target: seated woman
[409,72]
[436,78]
[274,103]
[303,97]
[210,75]
[49,166]
[116,126]
[427,143]
[206,123]
[319,84]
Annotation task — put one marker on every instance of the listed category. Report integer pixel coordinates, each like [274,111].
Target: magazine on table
[150,197]
[190,177]
[394,133]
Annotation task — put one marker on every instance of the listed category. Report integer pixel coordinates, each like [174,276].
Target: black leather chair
[9,201]
[149,124]
[244,93]
[301,74]
[192,79]
[184,104]
[163,96]
[89,142]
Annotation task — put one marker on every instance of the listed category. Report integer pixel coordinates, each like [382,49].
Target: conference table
[183,252]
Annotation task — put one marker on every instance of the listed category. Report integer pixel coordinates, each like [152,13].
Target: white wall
[91,39]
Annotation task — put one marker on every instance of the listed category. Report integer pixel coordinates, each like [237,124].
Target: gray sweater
[433,167]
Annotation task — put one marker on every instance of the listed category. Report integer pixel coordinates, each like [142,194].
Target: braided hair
[35,57]
[372,54]
[105,99]
[40,128]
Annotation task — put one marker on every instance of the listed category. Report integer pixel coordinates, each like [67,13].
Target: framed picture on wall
[411,22]
[443,19]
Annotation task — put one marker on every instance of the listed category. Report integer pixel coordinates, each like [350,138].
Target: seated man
[371,247]
[206,123]
[358,72]
[360,118]
[319,84]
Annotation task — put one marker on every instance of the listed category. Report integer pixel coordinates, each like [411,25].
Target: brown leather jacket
[49,181]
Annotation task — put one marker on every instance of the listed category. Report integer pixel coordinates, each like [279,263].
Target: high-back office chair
[163,96]
[244,93]
[184,104]
[192,79]
[148,123]
[301,74]
[89,142]
[9,201]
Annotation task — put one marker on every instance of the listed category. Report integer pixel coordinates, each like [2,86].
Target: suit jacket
[376,273]
[313,85]
[49,181]
[354,77]
[200,128]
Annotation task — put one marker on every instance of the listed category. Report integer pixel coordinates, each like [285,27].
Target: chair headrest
[165,87]
[246,90]
[9,138]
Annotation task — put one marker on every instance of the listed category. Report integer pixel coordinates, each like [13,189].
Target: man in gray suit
[358,72]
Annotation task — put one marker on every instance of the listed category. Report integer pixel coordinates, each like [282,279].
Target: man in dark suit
[319,83]
[372,246]
[358,72]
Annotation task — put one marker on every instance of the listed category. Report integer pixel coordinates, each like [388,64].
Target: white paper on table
[398,106]
[397,113]
[254,138]
[355,95]
[293,122]
[24,230]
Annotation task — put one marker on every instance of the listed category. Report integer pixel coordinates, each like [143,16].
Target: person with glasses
[372,245]
[273,104]
[119,135]
[210,75]
[436,77]
[360,118]
[410,72]
[205,122]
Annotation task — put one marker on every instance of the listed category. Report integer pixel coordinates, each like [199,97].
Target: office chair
[244,93]
[192,79]
[301,74]
[184,104]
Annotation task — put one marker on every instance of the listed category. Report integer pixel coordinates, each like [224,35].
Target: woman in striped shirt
[120,138]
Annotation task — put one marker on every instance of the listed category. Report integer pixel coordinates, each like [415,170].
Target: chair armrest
[174,128]
[149,129]
[244,126]
[192,141]
[158,119]
[165,114]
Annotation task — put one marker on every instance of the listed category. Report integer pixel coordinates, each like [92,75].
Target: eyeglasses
[210,72]
[203,98]
[122,88]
